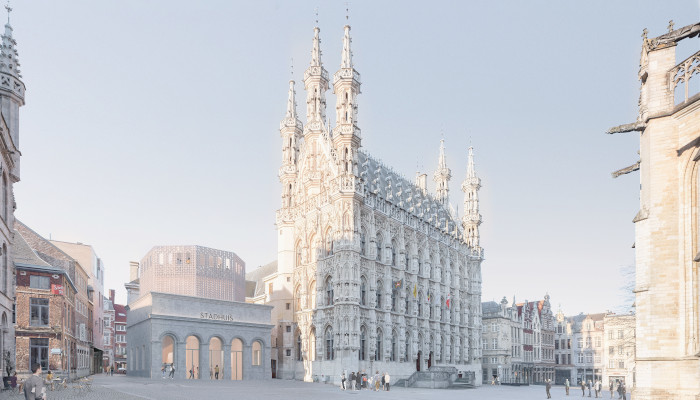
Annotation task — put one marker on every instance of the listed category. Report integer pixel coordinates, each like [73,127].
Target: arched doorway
[167,352]
[192,357]
[216,359]
[420,354]
[236,360]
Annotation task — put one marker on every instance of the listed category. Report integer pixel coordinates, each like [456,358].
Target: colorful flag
[398,283]
[448,301]
[428,296]
[415,288]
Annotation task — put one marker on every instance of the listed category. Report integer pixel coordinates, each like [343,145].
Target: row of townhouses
[525,343]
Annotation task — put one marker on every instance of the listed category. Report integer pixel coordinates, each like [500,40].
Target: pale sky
[154,123]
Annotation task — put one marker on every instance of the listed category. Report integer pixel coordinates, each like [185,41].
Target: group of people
[170,368]
[597,387]
[360,380]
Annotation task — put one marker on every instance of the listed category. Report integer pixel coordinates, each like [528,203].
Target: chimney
[134,271]
[422,182]
[111,296]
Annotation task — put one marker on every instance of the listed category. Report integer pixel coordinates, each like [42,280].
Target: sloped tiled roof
[256,277]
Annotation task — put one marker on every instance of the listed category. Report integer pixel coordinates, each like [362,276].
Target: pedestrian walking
[583,388]
[216,371]
[566,386]
[162,370]
[589,387]
[624,391]
[598,388]
[172,371]
[611,388]
[548,388]
[383,383]
[34,386]
[377,379]
[352,380]
[358,380]
[387,380]
[342,381]
[191,373]
[619,390]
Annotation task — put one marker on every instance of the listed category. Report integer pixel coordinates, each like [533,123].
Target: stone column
[179,360]
[227,362]
[204,361]
[247,361]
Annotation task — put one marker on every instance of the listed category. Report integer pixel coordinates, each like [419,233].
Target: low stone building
[200,338]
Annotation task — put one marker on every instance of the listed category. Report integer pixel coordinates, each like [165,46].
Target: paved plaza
[130,388]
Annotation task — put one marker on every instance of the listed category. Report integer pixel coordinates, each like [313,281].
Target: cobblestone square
[130,388]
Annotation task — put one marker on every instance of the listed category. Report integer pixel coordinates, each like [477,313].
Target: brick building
[44,313]
[76,326]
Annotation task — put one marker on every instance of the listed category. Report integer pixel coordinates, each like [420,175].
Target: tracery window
[329,291]
[377,354]
[330,352]
[379,247]
[379,294]
[363,291]
[363,340]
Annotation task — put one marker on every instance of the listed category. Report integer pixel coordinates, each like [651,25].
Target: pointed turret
[291,132]
[11,85]
[346,86]
[316,85]
[472,218]
[442,177]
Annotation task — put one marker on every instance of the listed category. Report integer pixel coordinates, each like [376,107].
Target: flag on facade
[398,283]
[448,301]
[415,289]
[428,296]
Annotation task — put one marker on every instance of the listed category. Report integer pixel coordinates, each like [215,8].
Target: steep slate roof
[398,190]
[23,254]
[254,279]
[490,307]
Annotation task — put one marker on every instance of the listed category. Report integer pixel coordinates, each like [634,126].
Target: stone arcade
[170,329]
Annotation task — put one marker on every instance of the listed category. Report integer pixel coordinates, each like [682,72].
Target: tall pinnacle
[291,102]
[9,63]
[442,177]
[316,49]
[470,167]
[347,53]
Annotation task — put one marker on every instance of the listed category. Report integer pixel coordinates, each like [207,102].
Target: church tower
[11,85]
[471,219]
[442,178]
[346,86]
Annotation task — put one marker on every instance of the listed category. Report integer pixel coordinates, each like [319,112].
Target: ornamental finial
[644,33]
[9,10]
[670,26]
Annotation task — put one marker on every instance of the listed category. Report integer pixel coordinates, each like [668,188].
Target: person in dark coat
[583,388]
[34,386]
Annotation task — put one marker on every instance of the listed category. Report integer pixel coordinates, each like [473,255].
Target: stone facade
[619,349]
[195,336]
[384,275]
[121,314]
[12,92]
[667,226]
[502,340]
[108,339]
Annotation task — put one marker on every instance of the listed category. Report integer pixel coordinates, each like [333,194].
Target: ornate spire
[347,53]
[442,177]
[472,218]
[316,84]
[291,102]
[9,62]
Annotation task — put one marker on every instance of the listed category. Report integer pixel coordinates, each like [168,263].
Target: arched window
[379,294]
[393,345]
[297,253]
[298,346]
[440,310]
[236,359]
[406,305]
[393,252]
[329,243]
[405,259]
[378,353]
[312,295]
[192,357]
[407,355]
[329,291]
[312,344]
[314,249]
[330,353]
[420,304]
[257,353]
[363,238]
[363,344]
[168,350]
[394,299]
[420,263]
[379,247]
[363,291]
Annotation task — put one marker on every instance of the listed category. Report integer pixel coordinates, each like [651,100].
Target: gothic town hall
[381,274]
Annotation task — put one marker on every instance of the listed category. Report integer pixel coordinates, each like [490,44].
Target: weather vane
[670,26]
[316,10]
[291,66]
[347,11]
